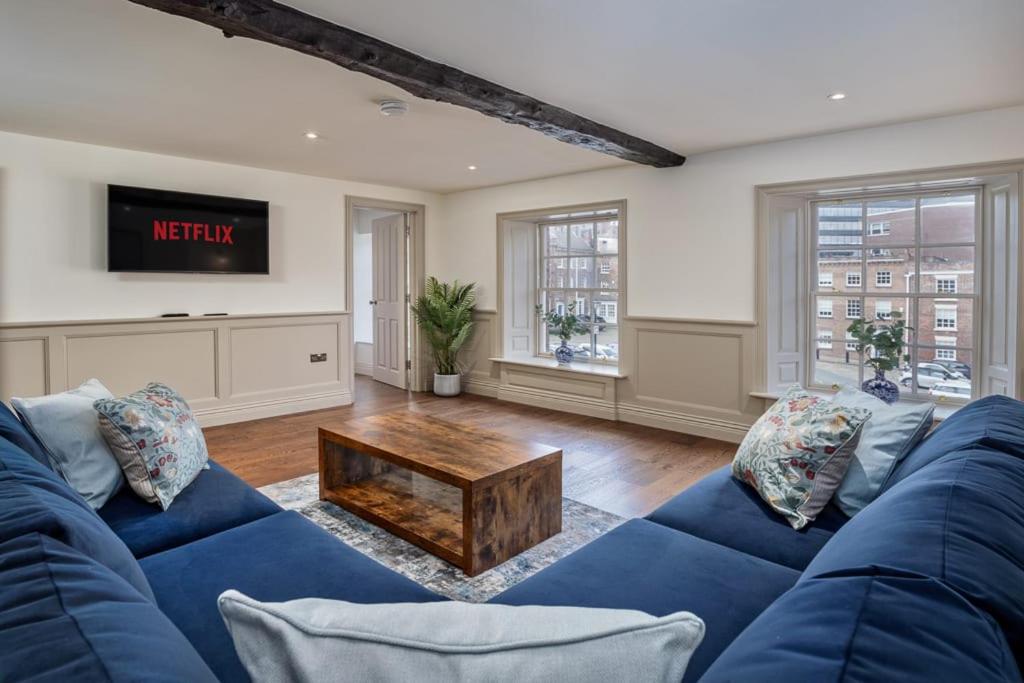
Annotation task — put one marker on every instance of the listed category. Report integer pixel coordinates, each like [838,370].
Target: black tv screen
[160,231]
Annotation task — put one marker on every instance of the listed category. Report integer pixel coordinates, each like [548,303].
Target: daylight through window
[579,264]
[907,257]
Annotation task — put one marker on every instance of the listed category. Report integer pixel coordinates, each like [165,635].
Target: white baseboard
[242,412]
[482,386]
[363,369]
[724,430]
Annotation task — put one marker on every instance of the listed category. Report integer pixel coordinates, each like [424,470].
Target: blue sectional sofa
[925,584]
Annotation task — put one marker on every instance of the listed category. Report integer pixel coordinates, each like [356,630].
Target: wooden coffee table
[469,496]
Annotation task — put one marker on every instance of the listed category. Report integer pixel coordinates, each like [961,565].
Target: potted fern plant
[445,314]
[884,346]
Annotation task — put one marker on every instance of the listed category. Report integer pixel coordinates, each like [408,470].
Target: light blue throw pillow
[890,434]
[313,639]
[67,426]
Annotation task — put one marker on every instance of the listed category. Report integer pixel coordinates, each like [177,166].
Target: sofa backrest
[34,499]
[863,629]
[65,617]
[12,429]
[960,521]
[995,422]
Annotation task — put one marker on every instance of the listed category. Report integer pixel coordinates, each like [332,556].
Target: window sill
[594,369]
[942,410]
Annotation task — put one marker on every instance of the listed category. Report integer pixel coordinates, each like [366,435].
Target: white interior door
[389,314]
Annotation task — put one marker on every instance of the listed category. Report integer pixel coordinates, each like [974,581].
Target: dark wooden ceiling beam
[285,26]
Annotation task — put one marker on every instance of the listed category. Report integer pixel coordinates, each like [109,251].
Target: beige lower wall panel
[275,358]
[231,368]
[559,383]
[125,362]
[23,367]
[682,375]
[695,368]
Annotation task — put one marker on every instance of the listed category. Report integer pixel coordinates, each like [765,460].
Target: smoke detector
[393,107]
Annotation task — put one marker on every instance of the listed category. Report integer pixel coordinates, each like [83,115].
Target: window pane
[835,364]
[608,237]
[891,221]
[607,343]
[607,272]
[837,265]
[890,270]
[947,270]
[581,344]
[606,308]
[945,318]
[943,373]
[581,273]
[840,224]
[948,219]
[555,301]
[581,238]
[825,309]
[557,240]
[556,272]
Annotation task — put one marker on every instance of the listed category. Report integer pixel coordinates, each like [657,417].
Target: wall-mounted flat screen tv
[160,231]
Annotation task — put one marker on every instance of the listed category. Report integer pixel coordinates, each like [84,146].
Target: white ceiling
[691,75]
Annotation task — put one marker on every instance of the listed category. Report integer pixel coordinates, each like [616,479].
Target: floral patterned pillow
[796,454]
[156,440]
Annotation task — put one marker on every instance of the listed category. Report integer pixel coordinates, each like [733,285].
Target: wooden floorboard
[619,467]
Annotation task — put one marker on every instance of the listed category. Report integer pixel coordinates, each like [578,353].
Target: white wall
[53,235]
[691,229]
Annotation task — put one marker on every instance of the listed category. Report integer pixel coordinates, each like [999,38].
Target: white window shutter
[786,328]
[999,310]
[520,278]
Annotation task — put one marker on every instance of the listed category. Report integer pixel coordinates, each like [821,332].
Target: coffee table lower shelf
[430,518]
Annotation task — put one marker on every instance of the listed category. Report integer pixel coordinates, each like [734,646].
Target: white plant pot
[447,385]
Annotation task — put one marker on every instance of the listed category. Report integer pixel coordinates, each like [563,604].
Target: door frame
[417,268]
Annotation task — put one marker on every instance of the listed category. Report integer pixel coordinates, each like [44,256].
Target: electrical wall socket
[318,358]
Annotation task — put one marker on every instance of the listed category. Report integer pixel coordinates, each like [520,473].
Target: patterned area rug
[580,525]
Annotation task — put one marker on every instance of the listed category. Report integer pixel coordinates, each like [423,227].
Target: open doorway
[383,279]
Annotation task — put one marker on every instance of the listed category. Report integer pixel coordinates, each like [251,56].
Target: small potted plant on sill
[445,314]
[565,326]
[884,345]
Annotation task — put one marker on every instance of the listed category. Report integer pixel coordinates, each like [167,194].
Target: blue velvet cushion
[866,629]
[33,499]
[960,520]
[274,559]
[722,509]
[645,566]
[215,501]
[64,617]
[996,422]
[12,429]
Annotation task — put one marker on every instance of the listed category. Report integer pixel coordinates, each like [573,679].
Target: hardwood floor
[622,468]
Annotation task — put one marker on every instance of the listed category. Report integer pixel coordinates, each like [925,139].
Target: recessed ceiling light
[471,167]
[312,135]
[392,107]
[836,96]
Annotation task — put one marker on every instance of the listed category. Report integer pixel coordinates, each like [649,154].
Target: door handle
[373,302]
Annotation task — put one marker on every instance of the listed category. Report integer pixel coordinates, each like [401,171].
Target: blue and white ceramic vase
[882,388]
[564,354]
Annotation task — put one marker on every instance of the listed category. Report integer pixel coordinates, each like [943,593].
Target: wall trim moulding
[229,368]
[685,376]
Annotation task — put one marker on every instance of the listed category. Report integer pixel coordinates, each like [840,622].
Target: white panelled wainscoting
[229,368]
[691,376]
